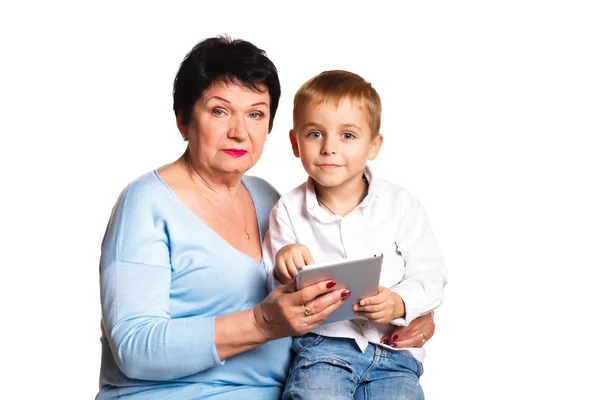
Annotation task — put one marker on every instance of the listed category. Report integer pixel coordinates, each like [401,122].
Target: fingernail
[392,345]
[330,284]
[385,341]
[394,338]
[345,294]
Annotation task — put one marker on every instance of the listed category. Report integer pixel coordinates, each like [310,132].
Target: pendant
[247,235]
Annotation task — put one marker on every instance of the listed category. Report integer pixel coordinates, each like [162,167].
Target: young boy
[344,211]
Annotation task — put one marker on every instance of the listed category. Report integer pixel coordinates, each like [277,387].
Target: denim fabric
[334,368]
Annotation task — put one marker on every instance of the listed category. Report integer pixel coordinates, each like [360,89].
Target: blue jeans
[334,368]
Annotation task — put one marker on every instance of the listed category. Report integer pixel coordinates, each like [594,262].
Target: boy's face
[334,143]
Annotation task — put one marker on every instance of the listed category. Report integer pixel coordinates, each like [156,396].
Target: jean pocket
[326,373]
[420,369]
[302,342]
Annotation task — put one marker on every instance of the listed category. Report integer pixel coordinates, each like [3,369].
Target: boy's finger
[292,270]
[298,261]
[379,315]
[283,272]
[368,309]
[280,261]
[369,301]
[307,256]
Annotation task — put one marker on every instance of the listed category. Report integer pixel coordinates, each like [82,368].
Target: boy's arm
[280,233]
[425,275]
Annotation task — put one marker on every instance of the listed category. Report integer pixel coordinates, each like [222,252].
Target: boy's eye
[315,135]
[347,135]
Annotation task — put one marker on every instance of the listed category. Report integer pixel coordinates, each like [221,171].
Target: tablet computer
[359,275]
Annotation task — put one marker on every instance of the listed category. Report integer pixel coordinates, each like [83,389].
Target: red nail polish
[394,338]
[385,341]
[345,294]
[392,344]
[330,284]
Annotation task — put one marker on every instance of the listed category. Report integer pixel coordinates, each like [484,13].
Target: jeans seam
[315,342]
[371,367]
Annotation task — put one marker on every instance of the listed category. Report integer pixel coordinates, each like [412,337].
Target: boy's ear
[294,142]
[376,143]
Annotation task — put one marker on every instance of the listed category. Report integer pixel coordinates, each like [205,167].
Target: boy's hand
[381,308]
[289,259]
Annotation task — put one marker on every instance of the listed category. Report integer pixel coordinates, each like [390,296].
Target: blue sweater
[164,276]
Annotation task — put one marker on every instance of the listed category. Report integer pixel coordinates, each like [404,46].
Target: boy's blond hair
[337,85]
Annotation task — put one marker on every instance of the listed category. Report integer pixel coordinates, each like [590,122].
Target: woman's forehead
[236,88]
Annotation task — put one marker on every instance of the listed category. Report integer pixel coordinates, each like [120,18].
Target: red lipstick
[235,152]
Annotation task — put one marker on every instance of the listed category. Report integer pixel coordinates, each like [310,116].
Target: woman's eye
[347,135]
[255,115]
[315,135]
[218,112]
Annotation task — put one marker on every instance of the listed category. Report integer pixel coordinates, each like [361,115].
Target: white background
[490,117]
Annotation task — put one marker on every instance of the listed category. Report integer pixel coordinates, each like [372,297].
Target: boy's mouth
[329,166]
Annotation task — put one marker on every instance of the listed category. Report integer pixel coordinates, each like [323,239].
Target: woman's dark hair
[223,59]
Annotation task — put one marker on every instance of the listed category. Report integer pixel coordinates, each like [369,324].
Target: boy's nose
[328,147]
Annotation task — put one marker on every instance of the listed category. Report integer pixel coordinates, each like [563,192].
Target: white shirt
[389,220]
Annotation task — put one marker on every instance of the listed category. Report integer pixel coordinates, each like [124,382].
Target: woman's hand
[381,308]
[289,259]
[419,331]
[287,312]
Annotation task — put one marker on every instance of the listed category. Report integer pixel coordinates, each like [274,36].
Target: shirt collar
[314,209]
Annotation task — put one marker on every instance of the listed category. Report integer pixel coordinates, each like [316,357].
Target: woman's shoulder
[261,189]
[144,194]
[145,186]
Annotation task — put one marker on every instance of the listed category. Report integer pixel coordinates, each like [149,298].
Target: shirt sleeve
[280,233]
[425,274]
[135,282]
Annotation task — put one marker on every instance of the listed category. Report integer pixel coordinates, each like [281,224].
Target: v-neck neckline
[260,233]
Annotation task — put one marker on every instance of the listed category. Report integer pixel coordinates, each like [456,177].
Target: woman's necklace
[364,178]
[245,229]
[225,217]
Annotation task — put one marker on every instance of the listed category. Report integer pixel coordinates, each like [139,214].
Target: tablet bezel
[359,275]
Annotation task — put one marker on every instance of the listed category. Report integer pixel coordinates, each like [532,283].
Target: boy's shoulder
[385,188]
[389,195]
[295,195]
[293,201]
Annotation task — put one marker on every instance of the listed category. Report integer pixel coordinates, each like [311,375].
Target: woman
[185,308]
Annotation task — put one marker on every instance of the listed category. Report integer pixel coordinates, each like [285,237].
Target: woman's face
[228,128]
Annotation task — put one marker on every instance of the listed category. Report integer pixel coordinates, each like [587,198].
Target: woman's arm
[416,334]
[135,279]
[281,314]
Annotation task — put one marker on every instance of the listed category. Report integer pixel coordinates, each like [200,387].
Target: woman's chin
[233,167]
